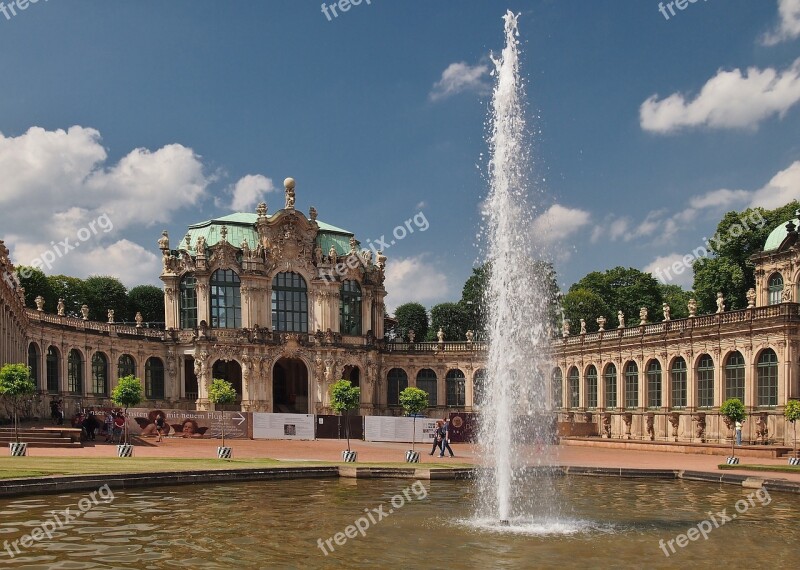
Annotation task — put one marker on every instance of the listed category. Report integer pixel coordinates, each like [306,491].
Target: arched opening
[290,386]
[99,374]
[631,385]
[610,386]
[75,372]
[479,387]
[225,299]
[456,388]
[350,308]
[188,302]
[573,387]
[654,384]
[352,373]
[735,376]
[591,387]
[557,381]
[397,381]
[775,289]
[705,382]
[289,303]
[33,362]
[768,378]
[190,386]
[231,371]
[126,366]
[426,380]
[53,370]
[154,379]
[678,377]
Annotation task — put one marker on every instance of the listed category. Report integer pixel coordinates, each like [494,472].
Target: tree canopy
[619,289]
[148,300]
[412,316]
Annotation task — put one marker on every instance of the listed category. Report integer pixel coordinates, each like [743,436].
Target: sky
[121,119]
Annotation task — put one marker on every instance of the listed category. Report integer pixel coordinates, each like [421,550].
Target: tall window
[126,366]
[558,388]
[478,387]
[426,380]
[53,370]
[289,303]
[591,387]
[397,382]
[631,385]
[705,382]
[226,299]
[654,384]
[734,376]
[154,379]
[188,302]
[574,387]
[768,378]
[455,386]
[33,362]
[99,374]
[350,308]
[75,372]
[610,385]
[775,288]
[678,379]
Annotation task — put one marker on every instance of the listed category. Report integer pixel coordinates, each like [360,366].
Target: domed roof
[779,234]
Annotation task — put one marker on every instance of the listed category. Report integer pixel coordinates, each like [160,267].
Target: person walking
[446,438]
[739,433]
[437,438]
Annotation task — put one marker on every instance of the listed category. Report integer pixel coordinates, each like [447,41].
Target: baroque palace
[282,305]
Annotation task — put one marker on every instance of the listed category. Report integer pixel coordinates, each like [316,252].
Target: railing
[94,326]
[436,346]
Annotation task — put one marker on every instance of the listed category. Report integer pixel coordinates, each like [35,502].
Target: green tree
[625,290]
[792,413]
[127,394]
[102,293]
[413,401]
[473,297]
[16,385]
[71,290]
[344,398]
[584,304]
[717,274]
[412,316]
[453,318]
[221,392]
[733,410]
[148,300]
[36,283]
[677,299]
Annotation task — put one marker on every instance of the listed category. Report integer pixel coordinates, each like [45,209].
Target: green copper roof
[777,236]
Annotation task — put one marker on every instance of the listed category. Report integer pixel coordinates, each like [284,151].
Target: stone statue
[261,210]
[470,336]
[367,256]
[666,309]
[583,326]
[440,335]
[188,240]
[675,420]
[751,298]
[565,328]
[692,305]
[627,418]
[318,256]
[607,426]
[650,425]
[381,260]
[111,315]
[163,241]
[762,428]
[786,296]
[643,316]
[312,213]
[332,255]
[411,335]
[203,328]
[61,308]
[39,300]
[288,184]
[245,249]
[223,233]
[720,303]
[700,429]
[601,323]
[621,319]
[85,312]
[353,244]
[138,318]
[201,246]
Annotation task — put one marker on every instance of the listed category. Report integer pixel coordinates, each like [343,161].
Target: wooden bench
[73,433]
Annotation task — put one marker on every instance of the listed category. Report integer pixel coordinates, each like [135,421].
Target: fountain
[516,425]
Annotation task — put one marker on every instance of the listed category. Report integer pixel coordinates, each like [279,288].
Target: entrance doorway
[290,386]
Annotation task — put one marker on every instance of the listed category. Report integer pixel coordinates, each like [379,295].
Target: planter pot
[125,450]
[412,456]
[18,449]
[794,461]
[349,456]
[733,461]
[225,452]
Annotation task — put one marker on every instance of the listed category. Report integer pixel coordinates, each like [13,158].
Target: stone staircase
[43,437]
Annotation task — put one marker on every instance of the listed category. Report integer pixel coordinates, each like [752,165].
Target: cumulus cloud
[789,26]
[730,99]
[414,279]
[781,189]
[558,223]
[672,269]
[460,77]
[249,191]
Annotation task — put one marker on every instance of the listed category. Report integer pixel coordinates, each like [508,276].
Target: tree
[412,316]
[713,275]
[127,394]
[792,414]
[15,385]
[473,297]
[35,283]
[584,304]
[344,398]
[733,410]
[148,300]
[102,293]
[413,400]
[677,299]
[453,318]
[625,290]
[71,290]
[221,392]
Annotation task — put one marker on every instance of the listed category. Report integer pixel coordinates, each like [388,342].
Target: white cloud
[558,223]
[789,26]
[672,269]
[781,189]
[730,99]
[460,77]
[249,191]
[722,199]
[414,279]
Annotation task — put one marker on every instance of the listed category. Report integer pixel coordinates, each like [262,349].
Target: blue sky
[161,114]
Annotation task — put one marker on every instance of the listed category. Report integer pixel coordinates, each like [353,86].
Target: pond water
[294,524]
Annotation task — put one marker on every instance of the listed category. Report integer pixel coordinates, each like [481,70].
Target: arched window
[289,303]
[188,302]
[775,288]
[226,299]
[574,388]
[99,374]
[126,366]
[591,387]
[654,384]
[455,386]
[53,370]
[631,385]
[734,376]
[610,385]
[350,308]
[426,380]
[768,378]
[154,379]
[397,381]
[705,382]
[75,372]
[478,387]
[558,388]
[33,362]
[678,376]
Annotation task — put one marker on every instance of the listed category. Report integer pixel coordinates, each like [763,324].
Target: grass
[775,468]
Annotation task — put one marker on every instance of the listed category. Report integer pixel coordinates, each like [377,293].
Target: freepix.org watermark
[373,517]
[668,9]
[714,521]
[11,9]
[342,6]
[59,520]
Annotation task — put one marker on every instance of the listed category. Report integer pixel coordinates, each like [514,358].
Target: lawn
[775,468]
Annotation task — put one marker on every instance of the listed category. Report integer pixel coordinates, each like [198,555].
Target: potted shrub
[733,411]
[15,385]
[127,394]
[221,392]
[413,400]
[344,398]
[792,414]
